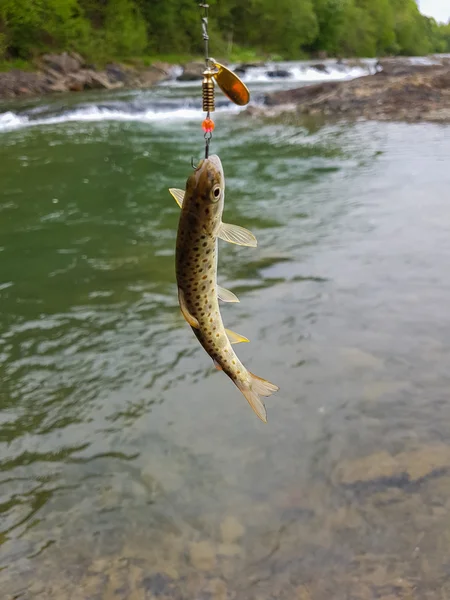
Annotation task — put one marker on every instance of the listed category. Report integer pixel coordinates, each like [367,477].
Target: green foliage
[241,30]
[31,27]
[3,46]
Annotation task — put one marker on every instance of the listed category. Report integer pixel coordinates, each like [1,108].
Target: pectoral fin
[236,235]
[177,195]
[217,365]
[235,338]
[226,295]
[185,312]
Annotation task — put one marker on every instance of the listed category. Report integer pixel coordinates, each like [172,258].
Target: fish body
[199,228]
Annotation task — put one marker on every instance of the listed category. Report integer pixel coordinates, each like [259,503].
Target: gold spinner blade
[231,85]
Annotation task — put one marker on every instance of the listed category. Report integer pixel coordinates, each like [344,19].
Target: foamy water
[10,120]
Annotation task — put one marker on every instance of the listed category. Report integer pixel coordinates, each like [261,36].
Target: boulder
[75,83]
[99,81]
[152,75]
[320,67]
[63,63]
[278,74]
[192,71]
[78,58]
[89,80]
[163,68]
[52,75]
[116,73]
[60,86]
[244,67]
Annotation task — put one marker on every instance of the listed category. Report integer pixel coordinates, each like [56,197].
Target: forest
[104,30]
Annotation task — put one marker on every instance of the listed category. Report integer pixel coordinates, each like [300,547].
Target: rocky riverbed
[398,91]
[395,504]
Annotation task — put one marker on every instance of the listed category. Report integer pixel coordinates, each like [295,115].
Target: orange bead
[208,125]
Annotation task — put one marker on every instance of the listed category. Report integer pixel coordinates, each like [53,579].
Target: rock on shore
[70,72]
[401,91]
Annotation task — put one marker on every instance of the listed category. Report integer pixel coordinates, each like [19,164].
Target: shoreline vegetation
[105,31]
[168,31]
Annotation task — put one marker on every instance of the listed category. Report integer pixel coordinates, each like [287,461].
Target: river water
[129,467]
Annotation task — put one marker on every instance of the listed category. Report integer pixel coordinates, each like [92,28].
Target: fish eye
[216,193]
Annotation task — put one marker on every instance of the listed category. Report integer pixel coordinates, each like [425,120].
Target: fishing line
[214,72]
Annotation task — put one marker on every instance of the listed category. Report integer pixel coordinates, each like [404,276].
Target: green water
[129,467]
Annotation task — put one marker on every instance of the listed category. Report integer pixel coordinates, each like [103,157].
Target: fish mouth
[215,161]
[208,168]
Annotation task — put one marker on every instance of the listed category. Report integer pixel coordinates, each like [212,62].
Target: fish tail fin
[253,390]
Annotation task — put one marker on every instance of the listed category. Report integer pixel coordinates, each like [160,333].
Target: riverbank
[397,92]
[402,89]
[70,72]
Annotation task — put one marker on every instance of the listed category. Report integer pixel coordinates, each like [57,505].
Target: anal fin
[236,235]
[185,311]
[235,338]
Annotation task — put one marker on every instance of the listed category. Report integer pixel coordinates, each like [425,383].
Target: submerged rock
[320,67]
[405,467]
[231,530]
[242,68]
[202,555]
[278,73]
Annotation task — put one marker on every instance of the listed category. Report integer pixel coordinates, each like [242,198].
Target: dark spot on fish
[206,277]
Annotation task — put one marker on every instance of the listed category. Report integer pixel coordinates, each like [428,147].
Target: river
[129,467]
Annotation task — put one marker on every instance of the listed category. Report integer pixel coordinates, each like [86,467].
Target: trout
[199,228]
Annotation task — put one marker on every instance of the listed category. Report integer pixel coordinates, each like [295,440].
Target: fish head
[205,192]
